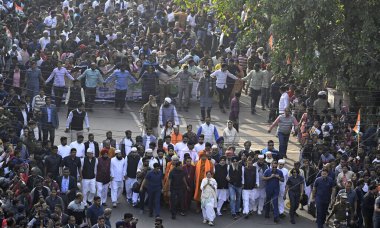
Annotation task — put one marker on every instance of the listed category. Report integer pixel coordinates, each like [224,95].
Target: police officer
[343,211]
[322,191]
[273,177]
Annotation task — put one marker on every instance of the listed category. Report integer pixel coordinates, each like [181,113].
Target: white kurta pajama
[117,175]
[208,199]
[89,185]
[259,193]
[223,196]
[281,201]
[102,191]
[248,195]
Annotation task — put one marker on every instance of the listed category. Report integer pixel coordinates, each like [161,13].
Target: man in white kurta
[117,176]
[209,131]
[79,145]
[259,193]
[285,172]
[181,147]
[250,181]
[230,135]
[64,149]
[88,174]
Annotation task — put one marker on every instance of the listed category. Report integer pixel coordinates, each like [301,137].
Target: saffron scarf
[208,167]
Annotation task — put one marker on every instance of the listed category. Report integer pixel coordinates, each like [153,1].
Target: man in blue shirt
[322,191]
[153,182]
[121,85]
[93,77]
[272,176]
[270,148]
[94,211]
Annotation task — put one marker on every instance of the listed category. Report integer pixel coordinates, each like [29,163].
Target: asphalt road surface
[252,127]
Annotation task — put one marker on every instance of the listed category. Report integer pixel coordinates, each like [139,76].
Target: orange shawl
[169,168]
[208,166]
[176,138]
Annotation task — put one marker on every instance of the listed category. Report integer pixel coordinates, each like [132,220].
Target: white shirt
[43,42]
[65,3]
[141,8]
[180,146]
[283,103]
[180,149]
[91,145]
[285,172]
[221,78]
[198,147]
[151,162]
[108,5]
[191,21]
[128,146]
[50,22]
[80,148]
[123,4]
[230,136]
[193,154]
[64,151]
[95,4]
[25,117]
[171,17]
[117,169]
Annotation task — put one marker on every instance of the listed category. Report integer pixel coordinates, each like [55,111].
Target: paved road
[252,127]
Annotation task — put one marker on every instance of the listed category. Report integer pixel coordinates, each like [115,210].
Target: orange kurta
[176,138]
[169,168]
[201,169]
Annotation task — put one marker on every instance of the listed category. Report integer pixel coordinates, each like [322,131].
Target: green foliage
[329,41]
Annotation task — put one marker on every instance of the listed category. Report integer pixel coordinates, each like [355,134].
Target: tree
[333,42]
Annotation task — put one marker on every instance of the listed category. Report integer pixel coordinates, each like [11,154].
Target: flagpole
[358,127]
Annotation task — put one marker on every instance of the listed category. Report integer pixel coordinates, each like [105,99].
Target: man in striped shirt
[59,74]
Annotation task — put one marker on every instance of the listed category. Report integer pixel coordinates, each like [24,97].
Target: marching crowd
[181,58]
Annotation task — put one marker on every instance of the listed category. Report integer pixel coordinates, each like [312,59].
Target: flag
[357,125]
[270,41]
[19,9]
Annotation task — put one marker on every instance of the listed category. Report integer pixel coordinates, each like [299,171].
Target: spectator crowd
[172,58]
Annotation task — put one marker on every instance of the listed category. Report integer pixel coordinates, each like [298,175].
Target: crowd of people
[69,52]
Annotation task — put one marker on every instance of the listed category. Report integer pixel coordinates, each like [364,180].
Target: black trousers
[120,98]
[254,96]
[235,123]
[203,112]
[90,97]
[223,97]
[58,93]
[294,203]
[176,198]
[273,110]
[142,198]
[48,130]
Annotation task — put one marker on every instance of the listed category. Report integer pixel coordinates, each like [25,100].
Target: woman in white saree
[208,199]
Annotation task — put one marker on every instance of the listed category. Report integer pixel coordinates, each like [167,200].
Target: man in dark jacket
[220,177]
[234,178]
[367,206]
[53,163]
[49,120]
[67,186]
[131,161]
[92,144]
